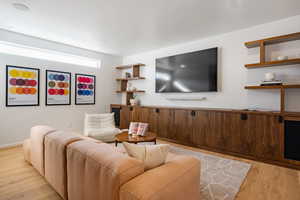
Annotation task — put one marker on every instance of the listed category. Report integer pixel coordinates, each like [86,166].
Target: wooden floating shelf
[136,91]
[273,40]
[274,63]
[130,79]
[130,66]
[273,86]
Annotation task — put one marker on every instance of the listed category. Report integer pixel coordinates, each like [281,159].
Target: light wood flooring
[19,181]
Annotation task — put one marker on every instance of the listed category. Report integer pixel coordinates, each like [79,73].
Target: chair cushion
[152,155]
[104,134]
[97,121]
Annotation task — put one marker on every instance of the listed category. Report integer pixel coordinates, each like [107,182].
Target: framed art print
[85,89]
[22,86]
[58,88]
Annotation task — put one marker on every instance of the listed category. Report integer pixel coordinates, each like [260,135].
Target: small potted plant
[134,101]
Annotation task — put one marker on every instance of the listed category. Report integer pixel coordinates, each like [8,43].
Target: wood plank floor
[19,181]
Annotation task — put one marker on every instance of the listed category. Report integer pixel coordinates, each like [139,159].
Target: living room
[165,100]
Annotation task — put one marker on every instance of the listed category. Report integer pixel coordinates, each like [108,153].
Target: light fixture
[45,54]
[21,6]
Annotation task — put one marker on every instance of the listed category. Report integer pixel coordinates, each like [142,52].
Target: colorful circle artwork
[58,88]
[85,86]
[23,82]
[58,83]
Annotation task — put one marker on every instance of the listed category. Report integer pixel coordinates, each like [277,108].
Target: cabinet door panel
[165,121]
[147,115]
[183,125]
[243,134]
[125,117]
[268,131]
[215,127]
[200,128]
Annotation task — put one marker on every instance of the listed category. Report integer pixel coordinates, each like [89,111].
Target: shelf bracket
[262,52]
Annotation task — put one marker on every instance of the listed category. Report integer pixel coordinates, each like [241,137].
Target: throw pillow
[152,155]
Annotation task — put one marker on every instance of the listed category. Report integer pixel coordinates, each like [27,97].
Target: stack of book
[270,83]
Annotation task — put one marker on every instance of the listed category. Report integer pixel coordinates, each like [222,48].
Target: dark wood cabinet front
[125,117]
[165,121]
[255,135]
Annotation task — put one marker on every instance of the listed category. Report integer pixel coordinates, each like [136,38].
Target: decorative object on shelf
[280,58]
[270,79]
[134,101]
[58,88]
[22,86]
[127,75]
[270,76]
[129,87]
[85,88]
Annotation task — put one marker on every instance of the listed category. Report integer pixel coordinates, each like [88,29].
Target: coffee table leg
[154,141]
[116,143]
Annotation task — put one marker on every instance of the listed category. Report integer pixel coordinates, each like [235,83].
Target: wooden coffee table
[124,137]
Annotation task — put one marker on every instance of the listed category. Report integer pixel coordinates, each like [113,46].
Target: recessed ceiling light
[21,6]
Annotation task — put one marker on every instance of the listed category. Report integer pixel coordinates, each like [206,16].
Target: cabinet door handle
[244,116]
[193,113]
[280,119]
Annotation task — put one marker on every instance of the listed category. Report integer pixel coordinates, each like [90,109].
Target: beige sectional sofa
[80,168]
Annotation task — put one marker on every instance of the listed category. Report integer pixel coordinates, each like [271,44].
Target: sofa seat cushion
[101,168]
[177,179]
[55,159]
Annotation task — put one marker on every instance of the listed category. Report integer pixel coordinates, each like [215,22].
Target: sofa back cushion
[56,161]
[37,135]
[97,171]
[98,121]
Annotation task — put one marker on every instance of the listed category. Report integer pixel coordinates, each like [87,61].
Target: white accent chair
[100,126]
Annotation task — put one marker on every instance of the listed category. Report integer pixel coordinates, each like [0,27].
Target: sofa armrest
[177,179]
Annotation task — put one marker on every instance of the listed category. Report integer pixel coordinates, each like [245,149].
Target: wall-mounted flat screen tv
[189,72]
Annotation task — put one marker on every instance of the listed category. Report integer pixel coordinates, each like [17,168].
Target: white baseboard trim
[5,146]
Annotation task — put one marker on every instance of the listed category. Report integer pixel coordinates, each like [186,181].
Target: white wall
[15,122]
[233,76]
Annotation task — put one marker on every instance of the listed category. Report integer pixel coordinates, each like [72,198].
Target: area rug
[220,179]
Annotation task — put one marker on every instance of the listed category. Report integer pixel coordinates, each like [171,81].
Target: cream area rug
[220,179]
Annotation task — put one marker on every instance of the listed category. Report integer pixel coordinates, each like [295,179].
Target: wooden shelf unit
[274,63]
[274,40]
[124,81]
[273,86]
[269,41]
[130,79]
[263,63]
[121,67]
[135,91]
[282,89]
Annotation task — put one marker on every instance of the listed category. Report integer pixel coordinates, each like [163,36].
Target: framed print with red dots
[85,89]
[22,86]
[58,88]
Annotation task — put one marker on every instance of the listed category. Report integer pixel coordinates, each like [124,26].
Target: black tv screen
[189,72]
